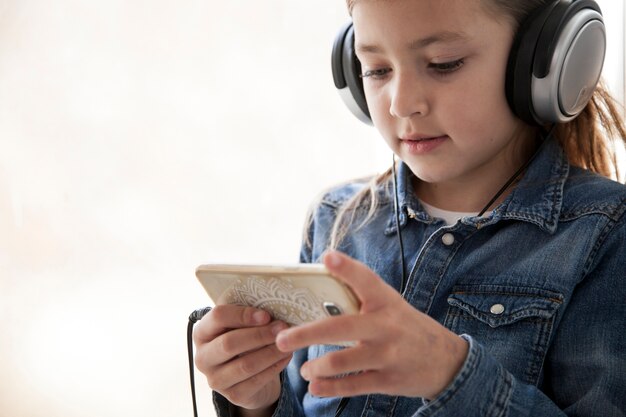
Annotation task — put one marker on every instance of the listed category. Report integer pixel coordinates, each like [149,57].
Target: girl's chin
[431,173]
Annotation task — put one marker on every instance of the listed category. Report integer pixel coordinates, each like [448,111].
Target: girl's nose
[408,97]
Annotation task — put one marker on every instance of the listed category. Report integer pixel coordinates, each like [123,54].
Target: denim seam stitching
[444,267]
[608,210]
[526,295]
[539,351]
[596,247]
[465,315]
[502,395]
[394,402]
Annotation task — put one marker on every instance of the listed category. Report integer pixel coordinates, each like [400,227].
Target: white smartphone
[295,294]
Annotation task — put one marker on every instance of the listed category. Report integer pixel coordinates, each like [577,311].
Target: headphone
[554,64]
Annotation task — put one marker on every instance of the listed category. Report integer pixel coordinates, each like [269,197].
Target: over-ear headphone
[554,65]
[346,74]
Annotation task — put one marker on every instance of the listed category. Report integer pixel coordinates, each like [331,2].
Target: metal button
[447,239]
[497,309]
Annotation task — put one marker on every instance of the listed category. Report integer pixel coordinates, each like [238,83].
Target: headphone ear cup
[520,65]
[347,74]
[556,61]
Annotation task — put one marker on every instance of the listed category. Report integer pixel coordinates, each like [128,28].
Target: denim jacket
[538,288]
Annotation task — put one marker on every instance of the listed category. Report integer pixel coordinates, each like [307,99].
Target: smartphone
[295,294]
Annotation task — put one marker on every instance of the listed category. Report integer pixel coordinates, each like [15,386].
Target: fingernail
[259,317]
[304,371]
[281,340]
[333,259]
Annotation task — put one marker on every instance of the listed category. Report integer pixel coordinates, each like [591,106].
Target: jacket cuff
[482,388]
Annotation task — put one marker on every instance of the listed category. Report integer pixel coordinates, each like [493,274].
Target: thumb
[368,287]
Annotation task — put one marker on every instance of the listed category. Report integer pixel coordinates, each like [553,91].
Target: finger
[351,385]
[367,286]
[242,392]
[225,317]
[236,342]
[244,367]
[340,363]
[329,331]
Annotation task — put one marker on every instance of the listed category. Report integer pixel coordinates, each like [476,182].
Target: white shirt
[450,217]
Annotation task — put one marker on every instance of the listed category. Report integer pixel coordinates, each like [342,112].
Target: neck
[461,196]
[471,192]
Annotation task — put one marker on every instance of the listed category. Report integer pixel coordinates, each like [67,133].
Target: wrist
[457,349]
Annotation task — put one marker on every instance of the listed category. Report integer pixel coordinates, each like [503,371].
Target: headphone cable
[344,400]
[546,135]
[193,318]
[396,206]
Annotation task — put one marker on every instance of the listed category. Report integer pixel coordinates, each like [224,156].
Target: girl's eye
[377,74]
[446,67]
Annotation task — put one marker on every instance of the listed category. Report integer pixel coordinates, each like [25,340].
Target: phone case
[294,294]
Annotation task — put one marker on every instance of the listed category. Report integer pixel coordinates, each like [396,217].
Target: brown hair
[589,141]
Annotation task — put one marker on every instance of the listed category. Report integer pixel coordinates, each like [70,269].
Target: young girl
[510,307]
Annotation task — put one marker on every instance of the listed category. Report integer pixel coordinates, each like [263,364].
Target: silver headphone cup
[574,70]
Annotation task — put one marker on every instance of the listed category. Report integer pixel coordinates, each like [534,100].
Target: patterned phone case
[282,298]
[295,294]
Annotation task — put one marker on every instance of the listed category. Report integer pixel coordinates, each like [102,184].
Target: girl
[471,304]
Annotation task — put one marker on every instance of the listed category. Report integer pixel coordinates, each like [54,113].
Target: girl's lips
[420,145]
[418,136]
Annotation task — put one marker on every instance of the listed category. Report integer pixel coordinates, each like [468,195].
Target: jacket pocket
[513,323]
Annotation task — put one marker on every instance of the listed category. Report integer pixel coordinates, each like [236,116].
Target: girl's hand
[235,349]
[398,350]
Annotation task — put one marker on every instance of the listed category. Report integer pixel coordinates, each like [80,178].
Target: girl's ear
[556,61]
[347,74]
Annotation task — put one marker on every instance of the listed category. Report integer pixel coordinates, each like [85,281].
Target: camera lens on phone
[332,309]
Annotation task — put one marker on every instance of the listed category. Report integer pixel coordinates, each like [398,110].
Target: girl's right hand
[236,350]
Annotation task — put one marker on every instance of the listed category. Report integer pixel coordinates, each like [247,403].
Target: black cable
[193,318]
[544,139]
[344,400]
[342,405]
[398,233]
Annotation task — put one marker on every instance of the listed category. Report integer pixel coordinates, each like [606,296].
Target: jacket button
[497,309]
[447,239]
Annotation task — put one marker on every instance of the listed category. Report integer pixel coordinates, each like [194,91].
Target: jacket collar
[537,198]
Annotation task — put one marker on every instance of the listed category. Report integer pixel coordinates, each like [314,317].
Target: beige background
[139,139]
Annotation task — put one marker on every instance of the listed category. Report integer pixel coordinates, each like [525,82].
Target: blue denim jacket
[552,256]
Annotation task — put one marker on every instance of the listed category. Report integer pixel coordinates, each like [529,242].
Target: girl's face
[434,78]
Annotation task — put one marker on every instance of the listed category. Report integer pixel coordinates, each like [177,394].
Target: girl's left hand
[398,349]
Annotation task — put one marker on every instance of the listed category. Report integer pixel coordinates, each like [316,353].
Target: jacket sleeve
[289,403]
[585,369]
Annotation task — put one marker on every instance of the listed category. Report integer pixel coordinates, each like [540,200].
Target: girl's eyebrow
[439,37]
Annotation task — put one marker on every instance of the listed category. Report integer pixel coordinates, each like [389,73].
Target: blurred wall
[138,140]
[614,12]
